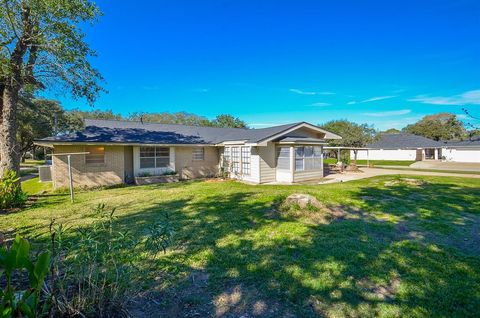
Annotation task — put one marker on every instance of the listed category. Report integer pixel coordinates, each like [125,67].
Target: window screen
[308,158]
[236,159]
[154,157]
[283,158]
[246,161]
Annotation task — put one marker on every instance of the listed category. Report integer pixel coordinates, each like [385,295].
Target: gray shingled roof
[403,141]
[472,142]
[114,131]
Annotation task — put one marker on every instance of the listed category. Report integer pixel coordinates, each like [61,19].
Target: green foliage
[391,131]
[184,118]
[160,235]
[96,270]
[353,134]
[441,126]
[17,300]
[345,157]
[181,118]
[47,38]
[228,121]
[11,194]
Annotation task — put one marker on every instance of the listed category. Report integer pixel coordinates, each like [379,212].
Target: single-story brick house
[110,152]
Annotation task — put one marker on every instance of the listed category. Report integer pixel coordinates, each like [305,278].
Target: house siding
[267,163]
[109,173]
[385,154]
[188,168]
[462,154]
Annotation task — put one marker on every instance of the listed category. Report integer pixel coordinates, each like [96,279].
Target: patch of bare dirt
[378,291]
[193,298]
[405,181]
[465,236]
[307,208]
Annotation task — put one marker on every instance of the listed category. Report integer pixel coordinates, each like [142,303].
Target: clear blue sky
[387,63]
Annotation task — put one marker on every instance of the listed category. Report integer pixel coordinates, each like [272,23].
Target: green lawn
[32,186]
[391,247]
[32,163]
[405,163]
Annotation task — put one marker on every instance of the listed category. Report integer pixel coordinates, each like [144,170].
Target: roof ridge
[154,123]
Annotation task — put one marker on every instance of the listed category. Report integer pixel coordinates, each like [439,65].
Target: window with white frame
[235,159]
[154,157]
[95,155]
[283,158]
[198,154]
[246,161]
[308,158]
[226,158]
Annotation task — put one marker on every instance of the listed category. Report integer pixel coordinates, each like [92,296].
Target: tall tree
[42,46]
[441,126]
[353,135]
[228,121]
[37,118]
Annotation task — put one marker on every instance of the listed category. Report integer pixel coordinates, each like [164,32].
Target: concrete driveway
[439,165]
[373,172]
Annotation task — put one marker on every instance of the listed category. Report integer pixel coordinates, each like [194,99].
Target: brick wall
[109,173]
[187,168]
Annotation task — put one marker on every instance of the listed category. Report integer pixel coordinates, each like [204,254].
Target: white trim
[51,144]
[328,135]
[153,171]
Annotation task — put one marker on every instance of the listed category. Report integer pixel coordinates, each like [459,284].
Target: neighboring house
[463,151]
[111,152]
[401,146]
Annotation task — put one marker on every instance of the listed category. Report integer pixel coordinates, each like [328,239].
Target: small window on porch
[96,155]
[198,154]
[236,159]
[246,161]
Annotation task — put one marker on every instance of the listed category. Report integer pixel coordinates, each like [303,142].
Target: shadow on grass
[230,259]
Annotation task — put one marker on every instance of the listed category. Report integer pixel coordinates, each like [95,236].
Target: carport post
[72,198]
[368,159]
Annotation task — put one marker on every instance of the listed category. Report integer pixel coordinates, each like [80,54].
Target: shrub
[19,299]
[99,269]
[11,194]
[345,157]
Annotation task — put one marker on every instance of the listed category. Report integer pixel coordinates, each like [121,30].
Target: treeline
[40,118]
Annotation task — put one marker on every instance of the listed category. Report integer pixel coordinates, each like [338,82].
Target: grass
[435,170]
[401,248]
[32,186]
[32,163]
[405,163]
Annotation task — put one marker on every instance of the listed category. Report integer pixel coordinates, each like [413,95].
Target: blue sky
[386,63]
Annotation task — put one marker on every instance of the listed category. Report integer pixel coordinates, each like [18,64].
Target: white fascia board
[328,135]
[63,143]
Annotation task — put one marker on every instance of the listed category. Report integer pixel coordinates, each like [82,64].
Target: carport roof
[404,141]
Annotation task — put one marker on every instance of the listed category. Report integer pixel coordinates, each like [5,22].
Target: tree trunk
[9,152]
